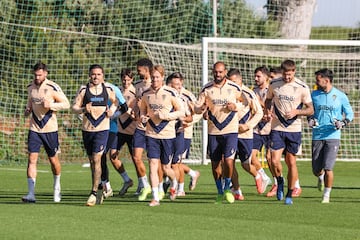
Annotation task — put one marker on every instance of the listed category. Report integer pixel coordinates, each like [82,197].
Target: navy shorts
[179,148]
[244,149]
[139,140]
[187,145]
[50,141]
[222,145]
[112,141]
[261,140]
[124,138]
[95,142]
[162,149]
[289,141]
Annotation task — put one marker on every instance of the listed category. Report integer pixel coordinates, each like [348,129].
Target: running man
[45,98]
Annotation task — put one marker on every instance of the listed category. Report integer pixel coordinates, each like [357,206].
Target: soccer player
[115,142]
[221,99]
[332,112]
[285,103]
[45,98]
[275,73]
[143,67]
[249,117]
[184,132]
[263,128]
[160,108]
[92,100]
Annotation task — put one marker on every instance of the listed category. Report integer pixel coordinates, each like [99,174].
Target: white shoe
[325,200]
[91,200]
[108,193]
[29,198]
[57,196]
[193,181]
[180,194]
[265,183]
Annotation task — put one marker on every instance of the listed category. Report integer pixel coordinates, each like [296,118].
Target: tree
[294,17]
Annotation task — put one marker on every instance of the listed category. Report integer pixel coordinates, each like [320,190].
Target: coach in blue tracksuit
[332,112]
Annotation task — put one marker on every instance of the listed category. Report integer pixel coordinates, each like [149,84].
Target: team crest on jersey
[163,97]
[128,98]
[334,97]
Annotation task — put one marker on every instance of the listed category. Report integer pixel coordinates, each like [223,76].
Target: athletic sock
[57,185]
[280,180]
[192,173]
[125,176]
[31,185]
[297,184]
[160,187]
[155,193]
[327,192]
[289,193]
[181,187]
[219,186]
[227,183]
[144,181]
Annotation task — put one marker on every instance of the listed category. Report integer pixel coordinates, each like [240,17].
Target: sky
[345,13]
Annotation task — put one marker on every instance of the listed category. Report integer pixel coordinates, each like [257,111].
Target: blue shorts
[289,141]
[139,140]
[95,142]
[244,149]
[187,145]
[124,138]
[222,145]
[50,141]
[112,141]
[261,140]
[162,149]
[179,147]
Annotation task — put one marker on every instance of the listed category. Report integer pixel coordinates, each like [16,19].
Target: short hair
[233,71]
[325,72]
[126,72]
[40,66]
[174,75]
[94,66]
[144,62]
[263,69]
[158,68]
[276,70]
[219,63]
[288,65]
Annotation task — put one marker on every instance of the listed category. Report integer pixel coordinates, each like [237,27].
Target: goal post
[342,56]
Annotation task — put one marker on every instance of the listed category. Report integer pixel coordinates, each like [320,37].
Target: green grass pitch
[194,216]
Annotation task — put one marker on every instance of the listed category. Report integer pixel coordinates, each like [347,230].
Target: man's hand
[340,124]
[312,122]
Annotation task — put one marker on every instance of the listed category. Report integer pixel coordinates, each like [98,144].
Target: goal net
[343,57]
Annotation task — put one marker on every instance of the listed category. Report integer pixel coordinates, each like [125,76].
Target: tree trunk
[294,16]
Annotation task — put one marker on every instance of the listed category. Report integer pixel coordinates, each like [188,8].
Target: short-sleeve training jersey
[164,100]
[140,87]
[126,124]
[44,120]
[263,127]
[220,119]
[99,95]
[286,97]
[251,114]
